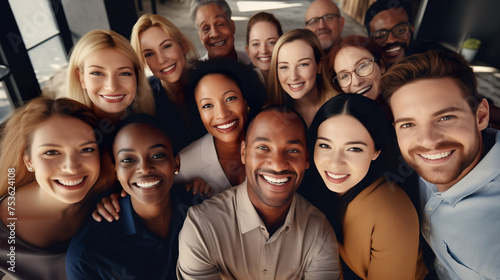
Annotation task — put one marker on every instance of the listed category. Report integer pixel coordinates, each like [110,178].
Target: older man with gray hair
[216,30]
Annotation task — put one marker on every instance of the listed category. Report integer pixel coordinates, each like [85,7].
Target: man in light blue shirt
[441,125]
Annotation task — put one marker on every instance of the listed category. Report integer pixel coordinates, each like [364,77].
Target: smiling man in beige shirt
[262,229]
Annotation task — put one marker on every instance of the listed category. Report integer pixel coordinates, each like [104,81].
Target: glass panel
[47,59]
[5,106]
[35,20]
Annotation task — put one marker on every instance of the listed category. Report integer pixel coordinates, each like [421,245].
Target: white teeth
[361,91]
[168,68]
[393,49]
[265,58]
[275,181]
[218,44]
[436,156]
[336,176]
[70,182]
[225,126]
[113,97]
[146,185]
[296,85]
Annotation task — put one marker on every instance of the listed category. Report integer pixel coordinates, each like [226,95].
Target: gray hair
[196,4]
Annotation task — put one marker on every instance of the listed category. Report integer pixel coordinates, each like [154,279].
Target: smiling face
[65,157]
[275,158]
[438,134]
[164,56]
[145,163]
[110,80]
[343,152]
[215,30]
[222,107]
[328,33]
[261,40]
[297,69]
[394,47]
[347,60]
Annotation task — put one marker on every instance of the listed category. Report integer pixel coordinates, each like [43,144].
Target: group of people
[309,156]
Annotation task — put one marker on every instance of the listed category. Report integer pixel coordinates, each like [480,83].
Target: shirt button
[429,208]
[264,271]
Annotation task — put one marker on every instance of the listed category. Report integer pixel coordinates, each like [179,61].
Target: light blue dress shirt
[462,224]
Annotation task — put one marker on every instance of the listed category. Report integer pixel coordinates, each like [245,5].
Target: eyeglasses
[364,69]
[399,30]
[326,18]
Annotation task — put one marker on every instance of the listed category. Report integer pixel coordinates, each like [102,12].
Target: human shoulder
[217,207]
[195,147]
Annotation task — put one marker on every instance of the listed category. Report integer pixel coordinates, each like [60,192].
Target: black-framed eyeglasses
[399,30]
[326,18]
[364,69]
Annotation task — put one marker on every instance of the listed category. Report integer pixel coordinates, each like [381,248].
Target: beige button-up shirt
[224,238]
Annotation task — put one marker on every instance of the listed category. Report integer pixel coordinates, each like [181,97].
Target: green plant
[472,44]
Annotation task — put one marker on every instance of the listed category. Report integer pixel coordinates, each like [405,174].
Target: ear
[483,114]
[382,67]
[246,48]
[27,161]
[232,26]
[177,163]
[341,24]
[412,28]
[81,78]
[375,155]
[242,151]
[307,159]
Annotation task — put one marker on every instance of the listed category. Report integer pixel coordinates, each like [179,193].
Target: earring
[248,109]
[30,169]
[176,172]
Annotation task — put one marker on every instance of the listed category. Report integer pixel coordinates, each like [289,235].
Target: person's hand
[200,186]
[108,207]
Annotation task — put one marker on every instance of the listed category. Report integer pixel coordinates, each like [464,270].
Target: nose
[321,23]
[112,83]
[294,73]
[356,80]
[336,158]
[214,32]
[162,57]
[221,112]
[429,136]
[278,162]
[144,166]
[71,164]
[264,48]
[390,39]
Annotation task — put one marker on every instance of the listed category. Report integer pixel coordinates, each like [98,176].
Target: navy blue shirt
[126,249]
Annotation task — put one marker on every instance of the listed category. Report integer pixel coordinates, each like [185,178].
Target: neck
[113,117]
[156,217]
[266,76]
[228,148]
[175,91]
[232,54]
[273,217]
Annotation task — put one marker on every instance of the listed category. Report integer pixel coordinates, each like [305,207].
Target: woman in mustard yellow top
[375,222]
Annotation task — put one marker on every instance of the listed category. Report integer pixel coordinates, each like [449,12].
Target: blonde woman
[51,161]
[298,74]
[167,52]
[105,74]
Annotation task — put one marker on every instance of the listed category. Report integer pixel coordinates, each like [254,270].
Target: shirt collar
[249,219]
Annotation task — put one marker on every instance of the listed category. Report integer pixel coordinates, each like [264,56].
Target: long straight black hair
[372,117]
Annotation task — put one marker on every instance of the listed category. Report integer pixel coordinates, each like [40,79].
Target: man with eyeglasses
[388,23]
[324,19]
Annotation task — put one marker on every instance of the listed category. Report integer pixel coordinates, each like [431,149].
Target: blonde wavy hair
[18,132]
[151,20]
[277,95]
[92,43]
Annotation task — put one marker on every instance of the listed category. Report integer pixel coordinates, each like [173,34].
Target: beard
[448,173]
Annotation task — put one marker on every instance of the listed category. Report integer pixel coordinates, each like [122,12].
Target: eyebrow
[120,68]
[226,92]
[150,148]
[347,143]
[355,63]
[264,139]
[160,44]
[440,112]
[58,146]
